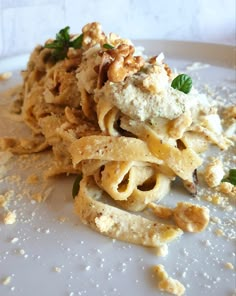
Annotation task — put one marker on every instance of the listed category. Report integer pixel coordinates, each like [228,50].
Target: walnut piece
[92,34]
[124,63]
[190,217]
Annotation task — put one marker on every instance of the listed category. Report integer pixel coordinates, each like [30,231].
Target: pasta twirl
[117,223]
[114,116]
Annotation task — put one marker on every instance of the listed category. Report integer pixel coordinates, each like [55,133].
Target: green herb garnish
[76,185]
[108,46]
[183,83]
[231,178]
[62,43]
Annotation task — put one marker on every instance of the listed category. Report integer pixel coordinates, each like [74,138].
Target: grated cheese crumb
[9,218]
[57,269]
[162,250]
[219,232]
[6,281]
[5,75]
[168,284]
[229,265]
[214,173]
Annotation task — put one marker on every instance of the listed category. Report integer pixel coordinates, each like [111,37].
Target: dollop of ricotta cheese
[148,95]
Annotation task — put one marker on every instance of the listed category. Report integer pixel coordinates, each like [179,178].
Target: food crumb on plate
[229,265]
[6,281]
[57,269]
[9,217]
[166,283]
[5,75]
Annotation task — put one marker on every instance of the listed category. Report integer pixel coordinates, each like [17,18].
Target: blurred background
[25,23]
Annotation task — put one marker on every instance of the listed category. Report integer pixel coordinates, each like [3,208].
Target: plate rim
[202,51]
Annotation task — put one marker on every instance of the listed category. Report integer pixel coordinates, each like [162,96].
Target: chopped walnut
[214,173]
[167,283]
[124,63]
[159,59]
[160,211]
[190,217]
[92,34]
[115,40]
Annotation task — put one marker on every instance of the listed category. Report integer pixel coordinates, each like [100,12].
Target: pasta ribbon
[111,148]
[182,162]
[117,223]
[107,117]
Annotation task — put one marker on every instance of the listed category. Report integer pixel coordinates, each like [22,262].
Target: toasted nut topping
[190,217]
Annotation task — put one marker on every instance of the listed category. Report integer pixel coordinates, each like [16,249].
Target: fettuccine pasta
[114,117]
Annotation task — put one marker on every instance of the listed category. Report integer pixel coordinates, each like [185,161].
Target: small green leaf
[108,46]
[183,83]
[77,43]
[53,45]
[76,185]
[231,178]
[63,34]
[62,43]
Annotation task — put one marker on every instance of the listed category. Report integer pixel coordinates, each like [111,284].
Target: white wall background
[25,23]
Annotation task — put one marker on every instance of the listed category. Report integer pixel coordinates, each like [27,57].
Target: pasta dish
[127,125]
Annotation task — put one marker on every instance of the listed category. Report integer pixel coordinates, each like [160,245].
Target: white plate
[91,264]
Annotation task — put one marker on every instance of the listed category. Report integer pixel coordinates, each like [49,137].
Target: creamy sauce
[149,96]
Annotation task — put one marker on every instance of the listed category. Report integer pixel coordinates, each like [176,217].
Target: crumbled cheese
[87,268]
[214,173]
[22,252]
[14,240]
[219,232]
[190,217]
[9,218]
[4,198]
[57,269]
[229,265]
[227,188]
[6,281]
[160,211]
[162,250]
[168,284]
[5,75]
[217,199]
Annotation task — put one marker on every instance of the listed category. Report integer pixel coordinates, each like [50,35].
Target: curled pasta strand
[107,117]
[111,148]
[153,189]
[117,223]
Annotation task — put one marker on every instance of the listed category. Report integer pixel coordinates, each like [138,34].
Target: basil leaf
[76,185]
[231,177]
[63,34]
[108,46]
[62,43]
[183,83]
[77,43]
[53,45]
